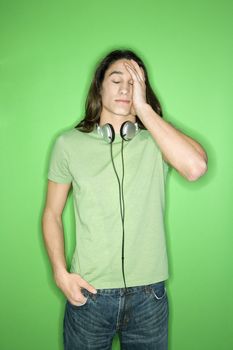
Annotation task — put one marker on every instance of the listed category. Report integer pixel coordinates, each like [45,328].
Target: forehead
[117,68]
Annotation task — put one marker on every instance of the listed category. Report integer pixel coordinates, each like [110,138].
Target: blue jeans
[139,315]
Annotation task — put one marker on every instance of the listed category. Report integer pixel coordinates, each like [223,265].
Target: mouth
[123,101]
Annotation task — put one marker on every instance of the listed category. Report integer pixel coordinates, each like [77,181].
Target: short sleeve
[59,163]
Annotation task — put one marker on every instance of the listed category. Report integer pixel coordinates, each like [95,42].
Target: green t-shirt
[85,160]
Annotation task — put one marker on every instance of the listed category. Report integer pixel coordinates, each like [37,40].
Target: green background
[48,54]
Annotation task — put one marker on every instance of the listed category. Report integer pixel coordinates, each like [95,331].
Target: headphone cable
[122,209]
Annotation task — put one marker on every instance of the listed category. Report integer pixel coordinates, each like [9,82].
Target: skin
[182,152]
[69,283]
[115,113]
[121,86]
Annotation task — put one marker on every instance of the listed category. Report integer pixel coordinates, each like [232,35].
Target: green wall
[48,52]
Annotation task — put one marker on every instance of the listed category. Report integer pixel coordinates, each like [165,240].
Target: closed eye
[117,82]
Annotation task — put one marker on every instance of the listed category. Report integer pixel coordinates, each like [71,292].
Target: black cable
[123,219]
[121,209]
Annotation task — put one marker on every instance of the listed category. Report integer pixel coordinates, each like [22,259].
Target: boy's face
[117,85]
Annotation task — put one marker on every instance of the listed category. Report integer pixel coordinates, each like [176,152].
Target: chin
[122,112]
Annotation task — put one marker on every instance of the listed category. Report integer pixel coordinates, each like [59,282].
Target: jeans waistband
[123,290]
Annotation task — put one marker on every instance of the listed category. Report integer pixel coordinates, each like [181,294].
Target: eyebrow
[115,72]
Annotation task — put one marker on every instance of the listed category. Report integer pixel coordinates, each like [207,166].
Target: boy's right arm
[52,227]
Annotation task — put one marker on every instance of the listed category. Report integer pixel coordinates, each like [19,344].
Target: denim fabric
[138,314]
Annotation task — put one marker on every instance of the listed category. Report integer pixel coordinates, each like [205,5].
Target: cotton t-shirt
[84,159]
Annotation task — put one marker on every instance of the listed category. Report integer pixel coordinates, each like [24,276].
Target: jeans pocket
[158,290]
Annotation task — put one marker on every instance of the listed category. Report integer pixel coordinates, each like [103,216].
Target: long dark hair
[93,105]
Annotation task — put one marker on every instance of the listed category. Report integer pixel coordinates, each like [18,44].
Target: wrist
[59,274]
[143,110]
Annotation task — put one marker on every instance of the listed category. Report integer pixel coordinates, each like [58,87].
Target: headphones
[127,131]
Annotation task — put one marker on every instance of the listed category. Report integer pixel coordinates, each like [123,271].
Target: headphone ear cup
[108,132]
[128,130]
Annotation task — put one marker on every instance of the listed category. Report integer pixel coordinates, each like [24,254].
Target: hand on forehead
[133,66]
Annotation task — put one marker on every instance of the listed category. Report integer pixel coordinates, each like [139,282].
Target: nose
[124,92]
[124,89]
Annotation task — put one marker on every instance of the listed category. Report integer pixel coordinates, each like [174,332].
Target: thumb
[132,110]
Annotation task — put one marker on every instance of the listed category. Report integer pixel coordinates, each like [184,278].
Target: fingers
[135,70]
[71,285]
[132,71]
[79,301]
[83,283]
[79,298]
[74,295]
[139,70]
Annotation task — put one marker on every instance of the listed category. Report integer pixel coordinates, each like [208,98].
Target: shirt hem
[132,283]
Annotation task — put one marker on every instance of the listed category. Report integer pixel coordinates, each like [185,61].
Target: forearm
[54,242]
[69,283]
[182,152]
